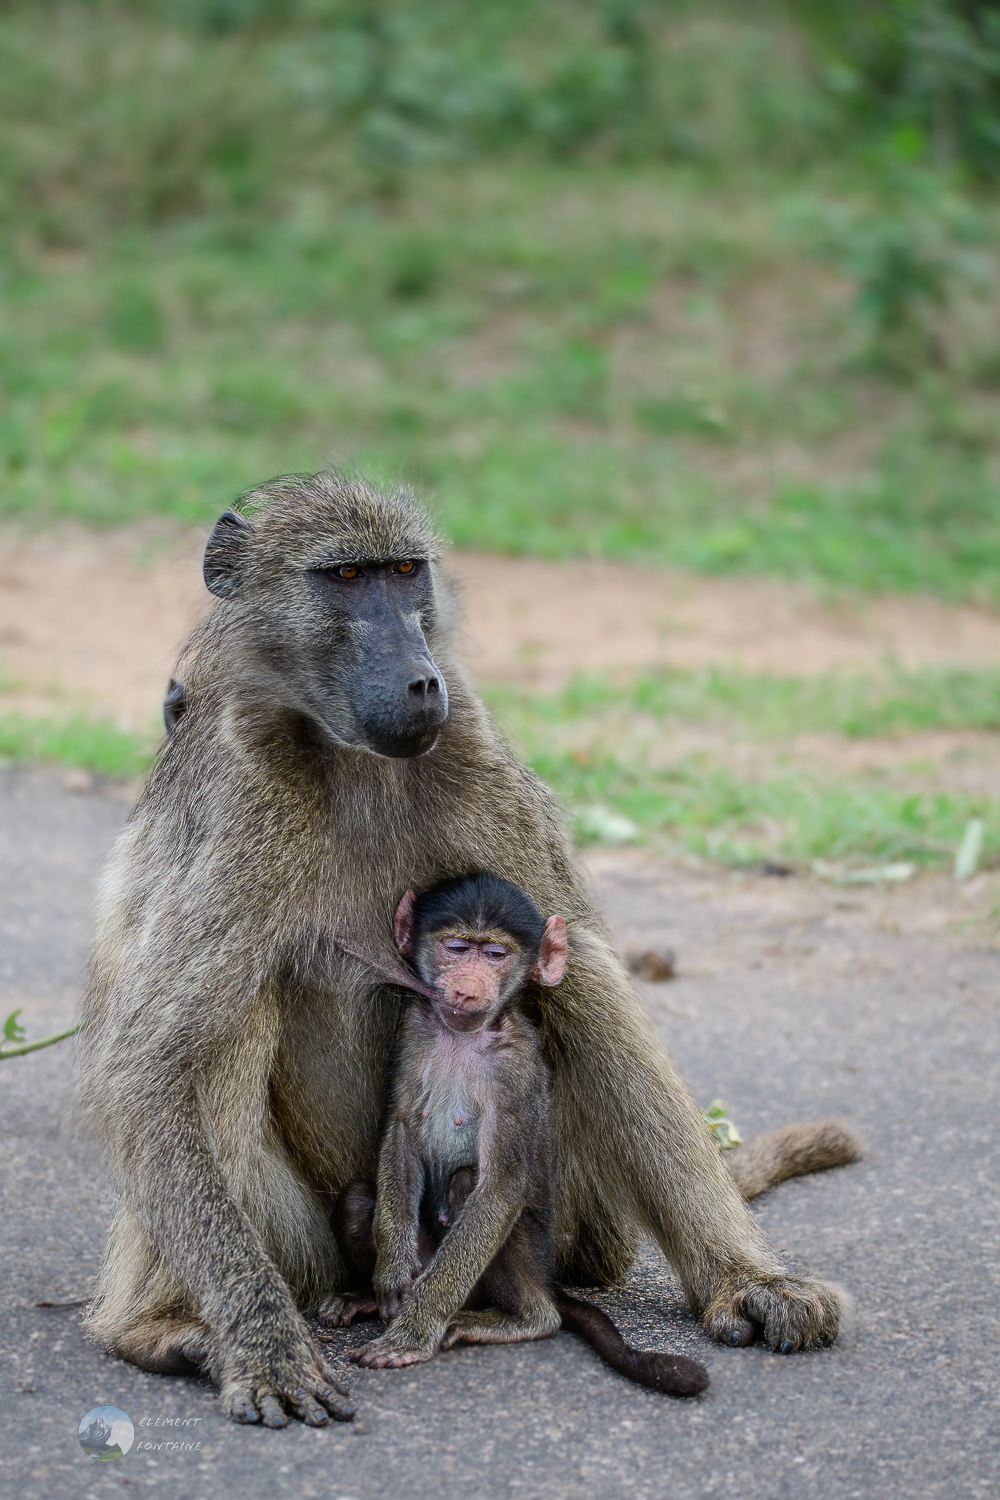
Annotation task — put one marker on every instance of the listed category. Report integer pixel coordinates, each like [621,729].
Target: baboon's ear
[174,704]
[225,552]
[551,965]
[403,925]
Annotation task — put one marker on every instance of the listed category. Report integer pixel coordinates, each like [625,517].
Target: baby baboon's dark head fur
[482,901]
[332,583]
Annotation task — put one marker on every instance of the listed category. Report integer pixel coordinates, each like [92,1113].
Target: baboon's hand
[287,1379]
[787,1312]
[340,1309]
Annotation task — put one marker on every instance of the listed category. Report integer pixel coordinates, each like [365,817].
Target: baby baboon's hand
[787,1312]
[392,1296]
[288,1379]
[340,1309]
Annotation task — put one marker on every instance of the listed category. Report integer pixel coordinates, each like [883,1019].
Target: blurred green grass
[603,745]
[76,741]
[763,706]
[616,280]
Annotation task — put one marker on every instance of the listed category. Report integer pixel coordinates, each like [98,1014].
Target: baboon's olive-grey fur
[235,1056]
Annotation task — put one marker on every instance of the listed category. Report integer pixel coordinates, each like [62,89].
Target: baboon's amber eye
[406,567]
[349,570]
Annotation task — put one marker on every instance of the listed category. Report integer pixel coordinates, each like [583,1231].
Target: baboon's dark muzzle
[403,705]
[397,696]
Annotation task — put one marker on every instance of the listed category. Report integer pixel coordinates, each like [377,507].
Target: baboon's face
[378,686]
[344,638]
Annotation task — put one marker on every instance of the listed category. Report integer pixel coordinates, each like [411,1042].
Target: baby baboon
[236,1028]
[457,1241]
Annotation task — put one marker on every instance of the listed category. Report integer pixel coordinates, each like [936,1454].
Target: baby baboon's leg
[495,1327]
[511,1299]
[353,1219]
[513,1294]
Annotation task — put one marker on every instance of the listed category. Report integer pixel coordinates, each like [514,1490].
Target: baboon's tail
[673,1374]
[809,1146]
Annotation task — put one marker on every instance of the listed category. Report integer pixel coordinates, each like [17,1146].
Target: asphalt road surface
[789,1003]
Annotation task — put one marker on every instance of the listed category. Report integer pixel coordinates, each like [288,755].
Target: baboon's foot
[284,1380]
[165,1346]
[787,1312]
[340,1309]
[394,1351]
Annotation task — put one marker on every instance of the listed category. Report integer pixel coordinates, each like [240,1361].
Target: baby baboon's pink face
[475,971]
[472,974]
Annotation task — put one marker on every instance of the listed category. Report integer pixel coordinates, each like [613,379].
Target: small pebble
[654,965]
[78,781]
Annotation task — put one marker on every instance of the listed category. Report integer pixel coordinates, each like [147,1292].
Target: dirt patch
[92,622]
[540,622]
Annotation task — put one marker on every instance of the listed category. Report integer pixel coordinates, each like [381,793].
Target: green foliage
[533,258]
[927,72]
[908,255]
[601,747]
[724,1132]
[90,744]
[763,706]
[711,810]
[135,322]
[13,1031]
[158,111]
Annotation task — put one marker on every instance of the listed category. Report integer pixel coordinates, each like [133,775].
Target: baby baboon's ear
[225,554]
[403,925]
[551,965]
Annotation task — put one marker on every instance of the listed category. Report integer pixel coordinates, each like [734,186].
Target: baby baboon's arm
[397,1207]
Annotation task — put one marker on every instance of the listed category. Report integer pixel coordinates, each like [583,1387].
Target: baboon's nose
[425,687]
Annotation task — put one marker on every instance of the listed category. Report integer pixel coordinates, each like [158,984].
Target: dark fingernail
[787,1347]
[734,1338]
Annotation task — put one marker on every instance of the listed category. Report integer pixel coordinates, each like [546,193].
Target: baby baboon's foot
[787,1312]
[392,1352]
[340,1310]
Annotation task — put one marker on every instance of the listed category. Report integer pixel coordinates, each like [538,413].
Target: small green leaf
[969,850]
[724,1132]
[12,1030]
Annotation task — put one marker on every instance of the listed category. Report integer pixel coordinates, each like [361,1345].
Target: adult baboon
[329,757]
